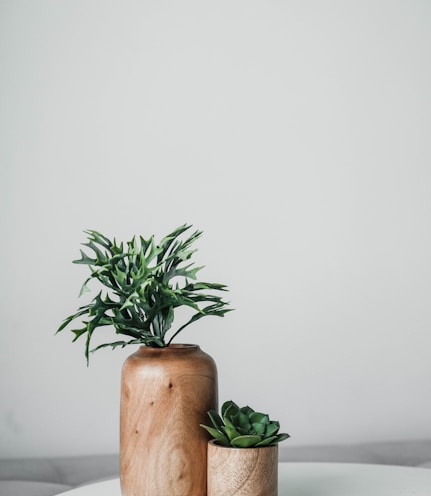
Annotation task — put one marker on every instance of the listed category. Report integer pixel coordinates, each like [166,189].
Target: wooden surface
[242,471]
[165,395]
[322,479]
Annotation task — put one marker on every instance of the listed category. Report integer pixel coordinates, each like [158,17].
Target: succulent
[144,283]
[243,427]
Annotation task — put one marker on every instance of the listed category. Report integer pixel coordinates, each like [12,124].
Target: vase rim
[173,346]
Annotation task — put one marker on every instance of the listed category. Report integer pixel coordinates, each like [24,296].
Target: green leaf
[241,419]
[217,435]
[153,341]
[259,417]
[267,441]
[68,320]
[282,437]
[244,432]
[140,298]
[272,429]
[85,259]
[116,344]
[167,241]
[231,432]
[215,419]
[78,333]
[229,408]
[84,288]
[258,428]
[245,441]
[130,302]
[98,238]
[247,410]
[234,424]
[199,286]
[101,257]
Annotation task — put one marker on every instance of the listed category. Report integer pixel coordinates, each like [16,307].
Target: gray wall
[295,134]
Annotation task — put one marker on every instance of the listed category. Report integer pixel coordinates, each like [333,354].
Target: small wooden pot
[242,471]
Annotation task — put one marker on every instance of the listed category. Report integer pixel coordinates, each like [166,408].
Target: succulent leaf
[282,437]
[272,428]
[243,427]
[268,441]
[229,408]
[259,417]
[245,441]
[231,432]
[217,435]
[242,420]
[216,419]
[258,428]
[247,410]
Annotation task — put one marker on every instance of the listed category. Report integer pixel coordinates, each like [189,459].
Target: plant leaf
[231,432]
[245,441]
[141,299]
[258,428]
[272,428]
[215,419]
[282,437]
[267,441]
[259,417]
[216,435]
[229,408]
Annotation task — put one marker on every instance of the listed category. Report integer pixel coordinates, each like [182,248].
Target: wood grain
[242,471]
[165,394]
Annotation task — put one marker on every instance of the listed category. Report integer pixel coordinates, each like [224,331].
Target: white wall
[295,134]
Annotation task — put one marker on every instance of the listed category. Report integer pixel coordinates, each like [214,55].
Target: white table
[321,479]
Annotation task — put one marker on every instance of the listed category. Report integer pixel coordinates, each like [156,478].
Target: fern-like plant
[243,427]
[144,283]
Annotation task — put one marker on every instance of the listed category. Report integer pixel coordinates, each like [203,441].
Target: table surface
[321,479]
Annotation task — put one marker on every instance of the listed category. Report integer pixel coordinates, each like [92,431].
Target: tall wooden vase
[165,394]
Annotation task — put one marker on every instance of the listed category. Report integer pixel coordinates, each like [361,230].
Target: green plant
[243,427]
[144,283]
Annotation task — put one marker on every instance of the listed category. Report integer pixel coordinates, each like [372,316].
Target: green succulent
[144,283]
[243,427]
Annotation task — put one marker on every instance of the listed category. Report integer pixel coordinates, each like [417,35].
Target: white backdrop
[295,134]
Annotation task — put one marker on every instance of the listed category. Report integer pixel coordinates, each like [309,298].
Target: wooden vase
[165,395]
[242,471]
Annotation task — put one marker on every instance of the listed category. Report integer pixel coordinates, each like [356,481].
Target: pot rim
[216,444]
